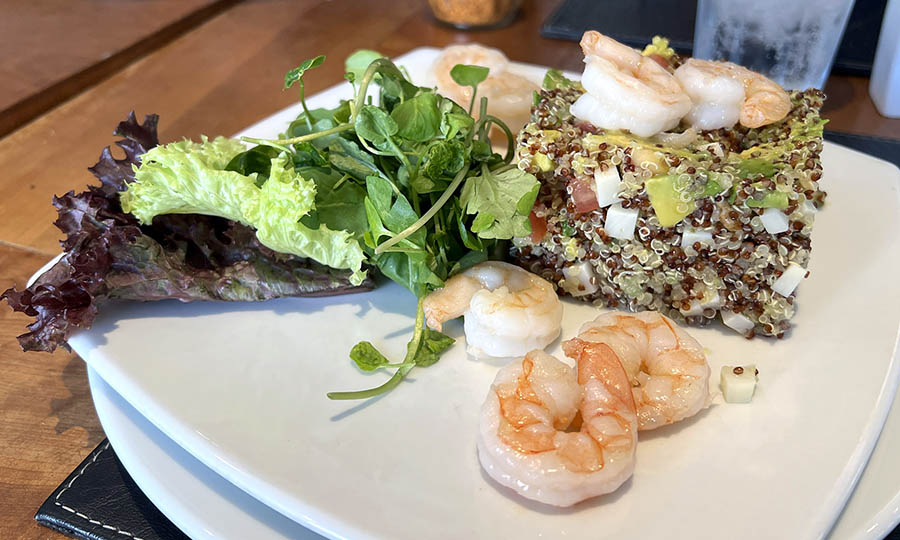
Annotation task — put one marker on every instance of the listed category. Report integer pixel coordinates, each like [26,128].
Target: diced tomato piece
[659,59]
[583,196]
[538,227]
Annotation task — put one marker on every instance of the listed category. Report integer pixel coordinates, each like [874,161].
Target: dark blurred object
[475,14]
[636,21]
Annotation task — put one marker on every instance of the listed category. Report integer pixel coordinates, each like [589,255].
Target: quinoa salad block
[695,225]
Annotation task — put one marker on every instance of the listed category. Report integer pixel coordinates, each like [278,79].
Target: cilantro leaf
[501,202]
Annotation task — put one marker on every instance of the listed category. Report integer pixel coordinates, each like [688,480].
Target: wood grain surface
[54,49]
[47,419]
[222,75]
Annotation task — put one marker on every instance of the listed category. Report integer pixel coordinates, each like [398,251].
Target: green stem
[412,350]
[472,101]
[367,77]
[460,176]
[301,138]
[510,139]
[303,104]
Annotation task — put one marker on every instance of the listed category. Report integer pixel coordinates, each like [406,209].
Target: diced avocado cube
[712,187]
[738,383]
[666,200]
[544,163]
[770,199]
[755,167]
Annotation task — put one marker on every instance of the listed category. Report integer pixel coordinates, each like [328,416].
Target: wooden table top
[205,66]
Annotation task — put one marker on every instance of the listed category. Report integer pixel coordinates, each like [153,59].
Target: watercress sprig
[412,175]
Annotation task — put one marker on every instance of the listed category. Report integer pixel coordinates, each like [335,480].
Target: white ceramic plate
[205,505]
[241,387]
[200,502]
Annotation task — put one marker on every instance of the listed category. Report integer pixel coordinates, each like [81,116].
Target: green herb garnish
[412,177]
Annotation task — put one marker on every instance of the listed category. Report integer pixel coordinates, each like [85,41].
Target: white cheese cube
[789,280]
[579,280]
[738,383]
[691,236]
[607,185]
[774,220]
[737,322]
[620,222]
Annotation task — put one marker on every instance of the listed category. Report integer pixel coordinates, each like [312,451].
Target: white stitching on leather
[79,514]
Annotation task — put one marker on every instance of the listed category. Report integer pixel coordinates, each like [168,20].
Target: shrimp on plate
[508,310]
[723,93]
[626,90]
[666,366]
[523,443]
[509,95]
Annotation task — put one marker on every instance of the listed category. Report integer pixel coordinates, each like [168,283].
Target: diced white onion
[620,222]
[789,280]
[809,208]
[607,185]
[698,307]
[694,310]
[737,322]
[692,236]
[578,279]
[774,220]
[738,387]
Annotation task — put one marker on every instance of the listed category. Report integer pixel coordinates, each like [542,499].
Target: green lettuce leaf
[190,178]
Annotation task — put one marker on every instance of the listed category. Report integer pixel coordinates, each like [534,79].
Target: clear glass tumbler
[791,41]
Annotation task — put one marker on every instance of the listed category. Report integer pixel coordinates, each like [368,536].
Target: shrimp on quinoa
[626,90]
[667,368]
[508,311]
[723,92]
[523,443]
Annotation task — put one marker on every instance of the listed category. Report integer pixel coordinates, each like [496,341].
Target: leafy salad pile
[398,178]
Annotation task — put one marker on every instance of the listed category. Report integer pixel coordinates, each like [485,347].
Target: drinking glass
[791,41]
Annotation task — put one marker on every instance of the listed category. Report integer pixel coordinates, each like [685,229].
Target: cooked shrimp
[509,95]
[723,93]
[666,366]
[626,90]
[522,442]
[508,311]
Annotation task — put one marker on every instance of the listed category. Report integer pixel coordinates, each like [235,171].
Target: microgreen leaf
[257,160]
[434,343]
[465,75]
[296,74]
[374,124]
[359,61]
[555,79]
[443,158]
[367,357]
[418,119]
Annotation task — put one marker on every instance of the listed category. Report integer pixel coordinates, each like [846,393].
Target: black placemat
[636,21]
[100,501]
